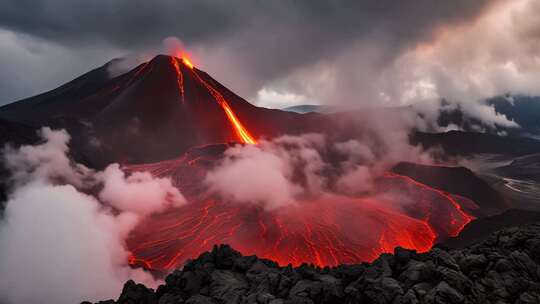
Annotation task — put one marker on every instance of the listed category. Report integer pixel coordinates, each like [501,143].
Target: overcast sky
[278,53]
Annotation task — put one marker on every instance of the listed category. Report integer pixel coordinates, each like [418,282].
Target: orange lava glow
[179,77]
[242,134]
[187,62]
[458,220]
[325,231]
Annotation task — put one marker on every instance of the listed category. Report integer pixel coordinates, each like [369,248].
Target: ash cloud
[61,216]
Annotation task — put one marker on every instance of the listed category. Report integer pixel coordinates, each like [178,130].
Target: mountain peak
[162,59]
[157,110]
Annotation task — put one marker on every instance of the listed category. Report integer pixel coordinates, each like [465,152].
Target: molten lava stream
[179,77]
[242,133]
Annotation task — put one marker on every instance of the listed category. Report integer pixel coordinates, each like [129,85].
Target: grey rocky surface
[504,268]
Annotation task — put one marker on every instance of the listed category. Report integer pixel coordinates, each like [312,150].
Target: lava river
[329,230]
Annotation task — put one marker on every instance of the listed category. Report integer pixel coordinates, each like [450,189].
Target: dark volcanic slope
[456,180]
[502,269]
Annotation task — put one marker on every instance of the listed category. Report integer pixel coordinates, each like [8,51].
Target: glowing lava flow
[242,133]
[459,218]
[324,232]
[329,230]
[179,77]
[187,62]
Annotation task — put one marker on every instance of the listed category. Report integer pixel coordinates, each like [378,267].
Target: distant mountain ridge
[302,109]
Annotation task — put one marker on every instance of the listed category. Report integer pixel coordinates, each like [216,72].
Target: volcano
[173,120]
[156,111]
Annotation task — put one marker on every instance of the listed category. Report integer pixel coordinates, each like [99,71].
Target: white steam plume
[289,169]
[139,193]
[60,245]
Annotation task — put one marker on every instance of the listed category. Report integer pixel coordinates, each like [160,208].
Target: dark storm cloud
[126,23]
[133,23]
[263,40]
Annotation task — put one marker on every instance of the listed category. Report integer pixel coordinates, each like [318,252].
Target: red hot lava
[326,232]
[242,134]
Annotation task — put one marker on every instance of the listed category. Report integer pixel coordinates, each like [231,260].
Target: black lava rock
[505,268]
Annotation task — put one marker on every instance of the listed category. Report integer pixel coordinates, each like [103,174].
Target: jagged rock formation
[502,269]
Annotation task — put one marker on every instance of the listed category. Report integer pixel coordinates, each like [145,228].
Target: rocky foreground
[502,269]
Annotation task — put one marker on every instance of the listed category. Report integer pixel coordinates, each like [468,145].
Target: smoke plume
[58,242]
[288,169]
